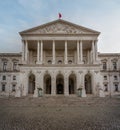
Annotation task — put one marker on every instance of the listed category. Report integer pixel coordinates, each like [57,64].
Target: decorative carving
[59,28]
[80,72]
[39,72]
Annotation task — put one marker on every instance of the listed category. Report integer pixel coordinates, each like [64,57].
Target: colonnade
[25,51]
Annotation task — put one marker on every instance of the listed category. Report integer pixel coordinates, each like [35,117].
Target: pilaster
[66,85]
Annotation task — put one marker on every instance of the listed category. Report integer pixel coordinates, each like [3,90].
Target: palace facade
[59,58]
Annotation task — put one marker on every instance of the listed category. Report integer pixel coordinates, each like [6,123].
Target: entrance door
[47,84]
[60,88]
[72,84]
[31,86]
[88,86]
[59,84]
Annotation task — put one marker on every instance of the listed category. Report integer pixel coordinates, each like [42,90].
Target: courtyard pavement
[60,113]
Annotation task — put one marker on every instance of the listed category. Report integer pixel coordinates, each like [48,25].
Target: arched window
[70,61]
[106,87]
[59,62]
[116,87]
[105,77]
[49,62]
[115,77]
[104,65]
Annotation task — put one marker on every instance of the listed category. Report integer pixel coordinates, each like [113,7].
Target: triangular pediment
[59,27]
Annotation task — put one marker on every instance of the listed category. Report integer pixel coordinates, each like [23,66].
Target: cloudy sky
[100,15]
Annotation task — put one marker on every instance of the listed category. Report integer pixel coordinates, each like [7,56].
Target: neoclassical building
[59,58]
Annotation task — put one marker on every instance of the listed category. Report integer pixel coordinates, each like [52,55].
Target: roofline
[49,23]
[109,54]
[10,54]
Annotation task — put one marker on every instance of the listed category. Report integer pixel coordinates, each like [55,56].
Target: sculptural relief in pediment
[59,28]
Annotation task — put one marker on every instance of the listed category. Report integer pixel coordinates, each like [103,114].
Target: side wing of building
[9,73]
[110,71]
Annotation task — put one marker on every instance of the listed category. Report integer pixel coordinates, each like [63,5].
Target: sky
[99,15]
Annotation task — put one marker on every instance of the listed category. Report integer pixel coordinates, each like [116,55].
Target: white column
[88,57]
[81,52]
[53,52]
[78,56]
[23,51]
[93,51]
[38,52]
[26,50]
[66,52]
[41,56]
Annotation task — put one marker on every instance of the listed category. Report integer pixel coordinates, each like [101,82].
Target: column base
[53,62]
[35,93]
[66,94]
[18,93]
[83,93]
[24,62]
[38,62]
[101,93]
[81,62]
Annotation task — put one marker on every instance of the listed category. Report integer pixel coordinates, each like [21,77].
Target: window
[105,77]
[14,77]
[114,65]
[4,77]
[4,66]
[116,87]
[115,77]
[13,87]
[104,65]
[49,62]
[70,61]
[106,87]
[3,87]
[15,66]
[59,62]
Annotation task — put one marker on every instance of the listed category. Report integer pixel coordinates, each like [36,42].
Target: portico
[60,50]
[84,51]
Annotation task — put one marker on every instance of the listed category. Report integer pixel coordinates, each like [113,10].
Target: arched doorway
[47,84]
[31,87]
[72,84]
[88,86]
[60,84]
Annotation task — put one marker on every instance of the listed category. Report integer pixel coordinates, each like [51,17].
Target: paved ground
[60,113]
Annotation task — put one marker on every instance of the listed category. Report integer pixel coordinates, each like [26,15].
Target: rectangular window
[114,65]
[14,77]
[4,66]
[3,87]
[104,66]
[13,87]
[4,77]
[14,66]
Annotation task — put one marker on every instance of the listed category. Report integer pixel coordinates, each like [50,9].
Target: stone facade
[59,58]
